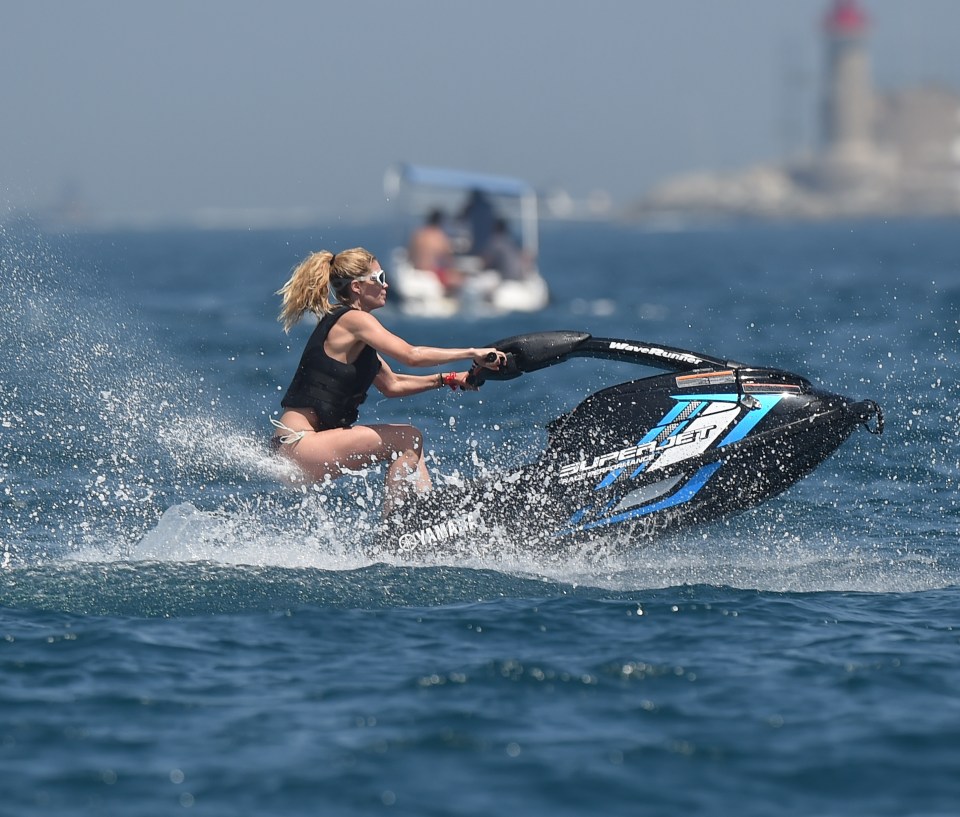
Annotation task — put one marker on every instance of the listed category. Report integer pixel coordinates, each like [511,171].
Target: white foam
[309,536]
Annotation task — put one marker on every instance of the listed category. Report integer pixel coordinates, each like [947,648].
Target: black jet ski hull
[650,455]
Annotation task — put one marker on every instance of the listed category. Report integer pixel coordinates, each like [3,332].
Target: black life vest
[334,390]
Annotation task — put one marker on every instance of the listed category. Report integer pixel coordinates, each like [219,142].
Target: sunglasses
[380,276]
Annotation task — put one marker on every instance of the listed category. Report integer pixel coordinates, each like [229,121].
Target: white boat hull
[484,292]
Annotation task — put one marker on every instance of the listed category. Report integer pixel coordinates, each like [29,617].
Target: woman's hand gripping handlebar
[493,361]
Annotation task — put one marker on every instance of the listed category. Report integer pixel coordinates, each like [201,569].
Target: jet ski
[705,440]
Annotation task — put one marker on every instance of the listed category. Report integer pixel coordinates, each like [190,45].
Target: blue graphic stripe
[751,418]
[683,404]
[685,494]
[728,397]
[639,470]
[609,479]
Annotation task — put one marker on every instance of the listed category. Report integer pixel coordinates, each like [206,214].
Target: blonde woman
[342,359]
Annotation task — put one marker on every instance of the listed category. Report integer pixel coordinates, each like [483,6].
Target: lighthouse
[847,118]
[890,153]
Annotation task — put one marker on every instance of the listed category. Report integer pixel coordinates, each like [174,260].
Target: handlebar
[474,376]
[478,375]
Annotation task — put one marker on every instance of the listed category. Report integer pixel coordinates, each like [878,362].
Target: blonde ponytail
[313,280]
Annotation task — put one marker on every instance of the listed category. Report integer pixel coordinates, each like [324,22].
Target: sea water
[184,629]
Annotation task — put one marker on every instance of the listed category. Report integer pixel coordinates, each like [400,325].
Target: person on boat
[478,215]
[342,359]
[504,255]
[430,249]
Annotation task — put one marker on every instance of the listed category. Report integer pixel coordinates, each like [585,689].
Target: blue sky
[169,107]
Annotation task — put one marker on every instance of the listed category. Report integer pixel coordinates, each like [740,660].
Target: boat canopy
[452,179]
[400,182]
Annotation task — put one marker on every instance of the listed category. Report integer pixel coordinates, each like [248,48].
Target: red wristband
[450,379]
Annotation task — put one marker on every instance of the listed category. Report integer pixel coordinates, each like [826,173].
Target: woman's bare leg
[406,475]
[327,453]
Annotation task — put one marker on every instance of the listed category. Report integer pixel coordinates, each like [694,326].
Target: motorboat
[469,204]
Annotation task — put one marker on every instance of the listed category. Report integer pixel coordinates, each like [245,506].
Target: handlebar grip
[477,374]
